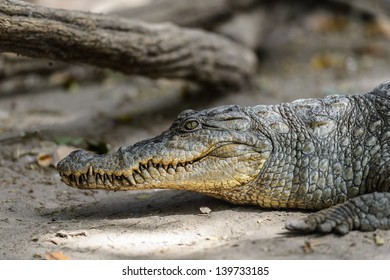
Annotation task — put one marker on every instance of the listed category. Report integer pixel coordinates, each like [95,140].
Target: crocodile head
[218,152]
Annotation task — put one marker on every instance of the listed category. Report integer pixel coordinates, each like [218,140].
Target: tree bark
[199,13]
[129,46]
[243,21]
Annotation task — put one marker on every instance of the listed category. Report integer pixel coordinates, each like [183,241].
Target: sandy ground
[40,215]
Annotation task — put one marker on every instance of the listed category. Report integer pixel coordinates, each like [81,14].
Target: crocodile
[329,155]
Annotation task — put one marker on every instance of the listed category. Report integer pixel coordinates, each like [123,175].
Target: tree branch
[199,13]
[132,47]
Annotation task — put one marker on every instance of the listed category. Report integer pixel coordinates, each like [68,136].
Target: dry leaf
[310,245]
[37,256]
[205,210]
[65,234]
[307,247]
[379,28]
[44,160]
[56,256]
[53,157]
[260,221]
[379,241]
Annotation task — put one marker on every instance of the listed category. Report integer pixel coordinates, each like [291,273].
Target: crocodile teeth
[142,167]
[109,177]
[132,180]
[84,178]
[77,179]
[153,172]
[162,171]
[138,178]
[146,171]
[180,169]
[90,171]
[99,179]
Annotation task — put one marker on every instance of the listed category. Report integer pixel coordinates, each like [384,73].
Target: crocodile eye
[191,125]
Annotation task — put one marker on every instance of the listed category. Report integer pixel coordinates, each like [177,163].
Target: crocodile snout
[76,161]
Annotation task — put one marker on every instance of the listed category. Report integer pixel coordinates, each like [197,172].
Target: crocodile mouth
[145,172]
[211,165]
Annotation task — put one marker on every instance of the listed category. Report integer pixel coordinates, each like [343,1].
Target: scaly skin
[331,154]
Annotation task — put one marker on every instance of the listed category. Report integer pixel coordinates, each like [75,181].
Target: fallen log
[129,46]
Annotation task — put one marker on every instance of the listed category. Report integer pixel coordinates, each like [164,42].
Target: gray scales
[329,154]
